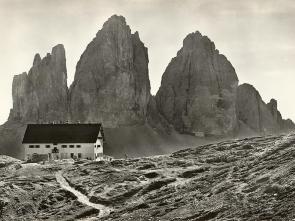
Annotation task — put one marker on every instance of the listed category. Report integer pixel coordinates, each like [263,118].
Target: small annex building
[64,141]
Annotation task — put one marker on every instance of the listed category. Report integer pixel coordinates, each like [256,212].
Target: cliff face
[257,115]
[198,89]
[41,95]
[282,124]
[253,112]
[111,83]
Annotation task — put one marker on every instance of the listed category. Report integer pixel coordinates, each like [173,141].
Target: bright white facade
[63,150]
[91,151]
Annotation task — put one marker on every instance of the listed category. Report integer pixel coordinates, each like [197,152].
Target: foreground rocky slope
[248,179]
[30,192]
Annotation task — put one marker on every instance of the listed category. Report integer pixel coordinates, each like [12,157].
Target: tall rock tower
[253,112]
[198,89]
[111,83]
[41,95]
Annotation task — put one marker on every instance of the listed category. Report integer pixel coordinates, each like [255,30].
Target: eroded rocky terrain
[248,179]
[30,192]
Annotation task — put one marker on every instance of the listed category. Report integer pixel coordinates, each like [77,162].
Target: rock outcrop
[282,124]
[260,117]
[42,94]
[198,89]
[273,108]
[111,83]
[252,110]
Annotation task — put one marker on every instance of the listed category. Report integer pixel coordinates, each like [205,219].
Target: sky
[257,37]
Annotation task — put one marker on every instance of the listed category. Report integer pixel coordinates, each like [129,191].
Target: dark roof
[62,133]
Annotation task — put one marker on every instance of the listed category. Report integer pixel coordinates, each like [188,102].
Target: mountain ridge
[199,98]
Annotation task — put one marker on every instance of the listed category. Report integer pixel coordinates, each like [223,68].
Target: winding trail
[103,210]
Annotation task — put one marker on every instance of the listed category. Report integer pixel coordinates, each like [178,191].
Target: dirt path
[103,210]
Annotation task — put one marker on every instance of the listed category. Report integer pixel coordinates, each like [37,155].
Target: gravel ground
[249,179]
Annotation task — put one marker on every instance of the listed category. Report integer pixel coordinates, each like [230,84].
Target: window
[64,146]
[78,146]
[72,155]
[47,146]
[71,146]
[97,146]
[31,146]
[79,155]
[37,146]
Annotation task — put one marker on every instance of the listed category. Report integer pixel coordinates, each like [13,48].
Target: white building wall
[98,149]
[92,151]
[86,150]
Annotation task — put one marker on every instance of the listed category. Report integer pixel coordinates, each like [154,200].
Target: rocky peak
[273,106]
[258,116]
[115,21]
[196,41]
[41,95]
[198,89]
[282,124]
[58,50]
[58,56]
[111,81]
[37,59]
[273,103]
[253,112]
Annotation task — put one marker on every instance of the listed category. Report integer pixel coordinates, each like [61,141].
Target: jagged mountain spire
[41,95]
[198,88]
[111,82]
